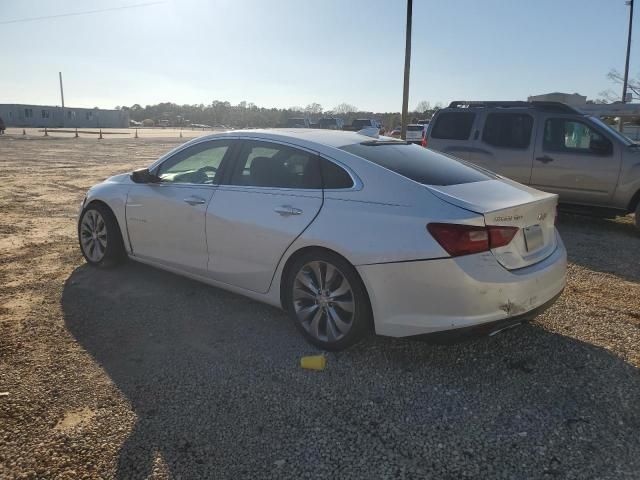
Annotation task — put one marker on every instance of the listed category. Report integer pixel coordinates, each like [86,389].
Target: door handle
[286,210]
[194,200]
[544,159]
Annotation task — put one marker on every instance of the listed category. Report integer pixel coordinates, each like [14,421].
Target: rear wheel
[327,300]
[638,216]
[99,236]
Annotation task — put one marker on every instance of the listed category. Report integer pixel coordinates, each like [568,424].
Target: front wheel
[99,236]
[327,300]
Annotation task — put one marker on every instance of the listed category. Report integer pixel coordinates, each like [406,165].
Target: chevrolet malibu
[345,232]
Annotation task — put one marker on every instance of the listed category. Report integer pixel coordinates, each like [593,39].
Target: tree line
[247,114]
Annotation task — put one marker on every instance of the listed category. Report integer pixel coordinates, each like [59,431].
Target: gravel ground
[136,373]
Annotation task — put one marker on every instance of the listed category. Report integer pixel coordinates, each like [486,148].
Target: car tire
[327,300]
[638,216]
[100,237]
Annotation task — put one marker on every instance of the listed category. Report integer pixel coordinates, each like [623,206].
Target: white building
[18,115]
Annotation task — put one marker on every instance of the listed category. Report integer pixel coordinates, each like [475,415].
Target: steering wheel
[208,168]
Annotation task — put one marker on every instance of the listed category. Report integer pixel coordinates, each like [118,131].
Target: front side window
[198,164]
[508,130]
[562,134]
[453,125]
[265,164]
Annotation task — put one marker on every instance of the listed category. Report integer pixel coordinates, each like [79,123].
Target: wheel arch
[306,249]
[98,201]
[635,200]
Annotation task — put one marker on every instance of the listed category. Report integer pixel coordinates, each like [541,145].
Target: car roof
[330,138]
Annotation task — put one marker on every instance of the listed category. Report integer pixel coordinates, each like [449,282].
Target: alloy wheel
[323,301]
[93,235]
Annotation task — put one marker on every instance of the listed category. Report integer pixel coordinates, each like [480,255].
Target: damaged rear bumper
[468,292]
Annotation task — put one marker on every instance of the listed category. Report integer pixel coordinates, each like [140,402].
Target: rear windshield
[415,128]
[418,163]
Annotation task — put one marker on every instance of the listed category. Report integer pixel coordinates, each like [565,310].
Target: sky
[283,53]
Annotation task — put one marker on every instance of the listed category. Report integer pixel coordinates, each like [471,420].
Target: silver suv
[548,145]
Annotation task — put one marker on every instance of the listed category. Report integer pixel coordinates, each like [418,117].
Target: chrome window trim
[357,183]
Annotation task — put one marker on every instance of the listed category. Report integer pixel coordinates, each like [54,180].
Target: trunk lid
[504,202]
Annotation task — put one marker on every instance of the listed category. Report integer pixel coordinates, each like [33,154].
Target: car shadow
[601,244]
[214,381]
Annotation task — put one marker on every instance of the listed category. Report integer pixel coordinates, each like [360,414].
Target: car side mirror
[601,146]
[143,175]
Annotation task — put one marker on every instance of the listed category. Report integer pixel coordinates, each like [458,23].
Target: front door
[268,199]
[576,160]
[166,220]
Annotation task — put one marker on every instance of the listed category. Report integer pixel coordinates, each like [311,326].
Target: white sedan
[343,231]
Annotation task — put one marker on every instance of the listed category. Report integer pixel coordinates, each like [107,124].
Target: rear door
[575,159]
[506,144]
[272,193]
[455,132]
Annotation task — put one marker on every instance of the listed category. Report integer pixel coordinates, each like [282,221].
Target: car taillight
[501,236]
[460,240]
[424,141]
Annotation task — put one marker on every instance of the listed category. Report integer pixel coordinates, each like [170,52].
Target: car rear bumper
[420,297]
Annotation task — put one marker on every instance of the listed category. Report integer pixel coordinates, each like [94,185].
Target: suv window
[564,134]
[198,164]
[265,164]
[509,130]
[453,125]
[418,163]
[334,176]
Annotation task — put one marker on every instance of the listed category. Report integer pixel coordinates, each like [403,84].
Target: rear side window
[509,130]
[265,164]
[453,125]
[418,163]
[333,176]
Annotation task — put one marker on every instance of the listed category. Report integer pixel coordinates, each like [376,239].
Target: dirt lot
[133,372]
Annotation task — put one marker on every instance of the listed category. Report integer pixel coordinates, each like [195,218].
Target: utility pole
[407,65]
[61,96]
[626,65]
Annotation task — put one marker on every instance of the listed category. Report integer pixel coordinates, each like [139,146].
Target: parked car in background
[298,123]
[415,133]
[395,133]
[363,123]
[547,145]
[343,231]
[331,123]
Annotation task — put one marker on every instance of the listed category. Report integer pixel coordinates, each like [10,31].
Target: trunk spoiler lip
[522,195]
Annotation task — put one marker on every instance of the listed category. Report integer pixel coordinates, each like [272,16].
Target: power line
[75,14]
